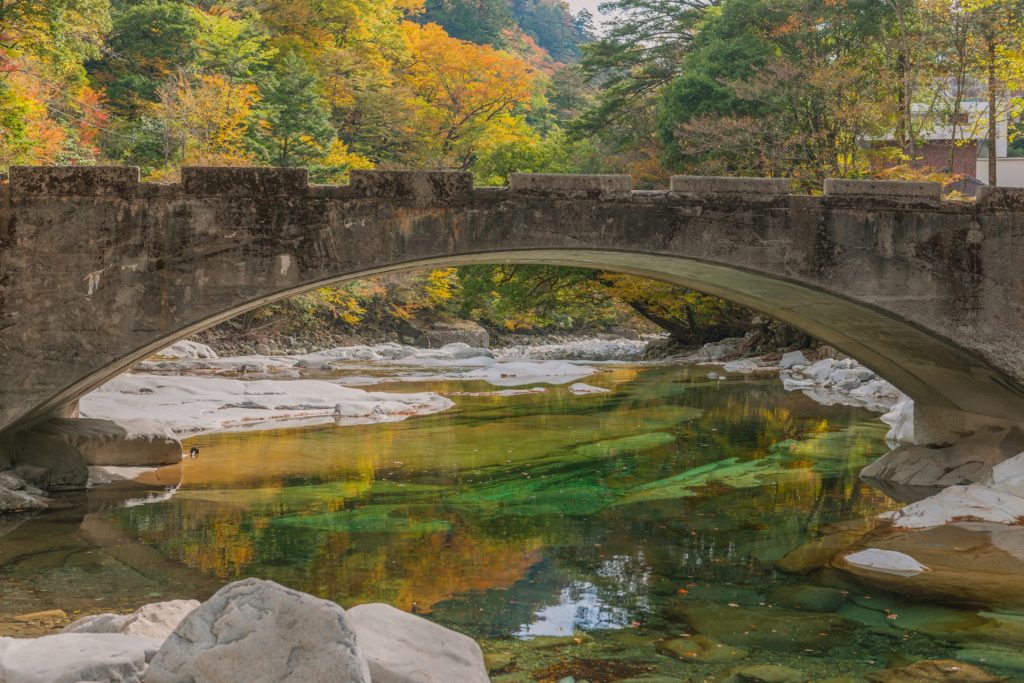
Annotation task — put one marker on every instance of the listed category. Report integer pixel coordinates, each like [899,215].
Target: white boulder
[403,648]
[76,657]
[793,358]
[121,443]
[974,502]
[579,388]
[255,631]
[187,349]
[1008,475]
[901,421]
[969,460]
[886,561]
[744,366]
[820,371]
[156,620]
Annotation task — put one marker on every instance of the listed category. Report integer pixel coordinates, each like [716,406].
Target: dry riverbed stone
[403,648]
[156,620]
[76,657]
[259,631]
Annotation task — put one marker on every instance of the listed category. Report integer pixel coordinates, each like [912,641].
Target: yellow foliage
[207,119]
[339,160]
[441,284]
[462,94]
[353,44]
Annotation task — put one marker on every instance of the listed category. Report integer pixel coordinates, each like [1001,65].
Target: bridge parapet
[1001,198]
[724,185]
[456,188]
[415,188]
[243,181]
[893,190]
[571,186]
[73,181]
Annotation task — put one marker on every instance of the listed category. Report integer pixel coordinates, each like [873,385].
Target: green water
[586,536]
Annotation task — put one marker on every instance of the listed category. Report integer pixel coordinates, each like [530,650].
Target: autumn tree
[206,120]
[462,95]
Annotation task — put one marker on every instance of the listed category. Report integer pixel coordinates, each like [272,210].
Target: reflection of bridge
[98,270]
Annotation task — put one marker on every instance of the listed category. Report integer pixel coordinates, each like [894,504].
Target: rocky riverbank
[250,630]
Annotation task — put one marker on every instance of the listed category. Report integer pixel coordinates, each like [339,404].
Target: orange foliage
[462,92]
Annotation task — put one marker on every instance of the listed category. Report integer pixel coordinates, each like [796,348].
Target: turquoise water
[637,533]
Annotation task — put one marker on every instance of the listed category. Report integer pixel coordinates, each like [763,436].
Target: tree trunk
[992,114]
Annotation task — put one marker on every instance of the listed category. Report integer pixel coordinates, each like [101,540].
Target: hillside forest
[803,89]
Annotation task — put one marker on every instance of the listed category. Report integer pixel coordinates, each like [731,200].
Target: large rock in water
[76,657]
[49,462]
[255,631]
[156,620]
[403,648]
[123,443]
[968,461]
[55,454]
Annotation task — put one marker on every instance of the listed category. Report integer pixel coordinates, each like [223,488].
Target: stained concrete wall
[97,270]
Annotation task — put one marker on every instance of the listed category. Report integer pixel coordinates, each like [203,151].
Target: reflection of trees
[518,480]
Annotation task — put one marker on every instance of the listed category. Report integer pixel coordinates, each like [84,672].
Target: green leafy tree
[478,21]
[150,42]
[295,127]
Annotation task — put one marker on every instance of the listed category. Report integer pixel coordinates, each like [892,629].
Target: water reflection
[633,515]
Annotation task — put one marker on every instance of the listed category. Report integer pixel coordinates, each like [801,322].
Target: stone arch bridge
[98,270]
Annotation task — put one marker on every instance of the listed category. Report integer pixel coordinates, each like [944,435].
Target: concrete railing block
[719,185]
[1008,198]
[571,186]
[418,188]
[894,189]
[87,181]
[230,181]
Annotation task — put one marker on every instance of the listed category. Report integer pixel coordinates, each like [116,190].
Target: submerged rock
[156,620]
[255,630]
[76,657]
[1001,656]
[971,563]
[765,673]
[935,670]
[768,628]
[700,648]
[402,648]
[808,598]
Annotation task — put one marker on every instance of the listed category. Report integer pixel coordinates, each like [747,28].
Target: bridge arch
[98,270]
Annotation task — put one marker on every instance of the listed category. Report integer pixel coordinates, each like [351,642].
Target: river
[603,536]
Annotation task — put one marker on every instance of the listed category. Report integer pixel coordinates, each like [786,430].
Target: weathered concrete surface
[97,270]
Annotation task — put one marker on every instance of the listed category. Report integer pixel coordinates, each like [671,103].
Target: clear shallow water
[587,536]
